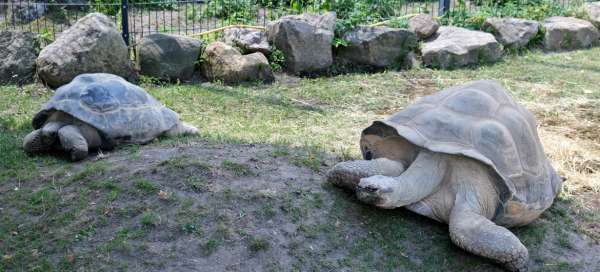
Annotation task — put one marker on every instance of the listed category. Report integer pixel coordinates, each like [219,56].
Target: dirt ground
[193,205]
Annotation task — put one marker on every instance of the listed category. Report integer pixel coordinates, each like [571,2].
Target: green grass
[237,168]
[46,214]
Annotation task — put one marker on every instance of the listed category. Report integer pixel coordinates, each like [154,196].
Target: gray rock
[92,45]
[592,11]
[567,33]
[512,32]
[248,40]
[424,25]
[377,46]
[305,40]
[457,47]
[168,57]
[18,54]
[222,62]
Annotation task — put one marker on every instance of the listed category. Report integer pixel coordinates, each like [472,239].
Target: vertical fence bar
[124,22]
[444,7]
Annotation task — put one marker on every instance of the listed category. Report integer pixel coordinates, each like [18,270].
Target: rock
[377,46]
[168,57]
[457,47]
[512,32]
[305,40]
[592,11]
[424,25]
[225,63]
[248,40]
[567,33]
[18,54]
[25,11]
[92,45]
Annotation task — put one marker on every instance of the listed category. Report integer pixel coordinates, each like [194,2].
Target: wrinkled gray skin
[99,111]
[447,173]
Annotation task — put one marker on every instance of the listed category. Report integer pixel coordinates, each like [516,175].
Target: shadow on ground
[188,204]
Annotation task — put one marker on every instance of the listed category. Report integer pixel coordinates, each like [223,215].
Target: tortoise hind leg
[348,174]
[181,128]
[474,233]
[73,142]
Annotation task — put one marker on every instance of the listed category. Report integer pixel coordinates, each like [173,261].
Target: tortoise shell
[121,111]
[481,120]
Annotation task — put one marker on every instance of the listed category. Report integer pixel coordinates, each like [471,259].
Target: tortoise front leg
[348,174]
[422,178]
[477,234]
[73,142]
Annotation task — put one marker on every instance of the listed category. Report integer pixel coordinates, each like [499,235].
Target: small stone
[225,63]
[248,40]
[424,25]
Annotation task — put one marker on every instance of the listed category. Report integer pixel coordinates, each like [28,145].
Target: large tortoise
[100,111]
[469,156]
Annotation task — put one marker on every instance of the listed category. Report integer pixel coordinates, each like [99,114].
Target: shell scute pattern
[480,120]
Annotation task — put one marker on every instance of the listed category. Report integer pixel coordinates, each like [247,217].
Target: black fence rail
[137,18]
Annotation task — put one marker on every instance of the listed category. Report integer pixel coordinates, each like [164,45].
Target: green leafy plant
[276,60]
[235,11]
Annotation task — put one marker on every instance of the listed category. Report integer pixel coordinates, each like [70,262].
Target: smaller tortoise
[468,156]
[100,111]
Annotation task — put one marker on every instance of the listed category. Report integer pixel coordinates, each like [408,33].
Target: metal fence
[137,18]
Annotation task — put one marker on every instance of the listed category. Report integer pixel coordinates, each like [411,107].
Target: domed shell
[480,120]
[121,111]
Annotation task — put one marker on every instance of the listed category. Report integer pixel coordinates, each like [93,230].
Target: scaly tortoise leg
[32,143]
[348,174]
[475,233]
[421,178]
[73,142]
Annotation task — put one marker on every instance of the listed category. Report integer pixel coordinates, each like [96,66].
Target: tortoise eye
[368,155]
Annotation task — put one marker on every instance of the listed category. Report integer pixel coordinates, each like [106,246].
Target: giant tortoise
[468,156]
[100,111]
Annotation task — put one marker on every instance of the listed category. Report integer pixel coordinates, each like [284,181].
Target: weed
[237,168]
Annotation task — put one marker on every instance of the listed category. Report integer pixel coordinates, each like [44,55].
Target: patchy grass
[252,188]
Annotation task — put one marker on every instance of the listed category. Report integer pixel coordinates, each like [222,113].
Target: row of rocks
[94,44]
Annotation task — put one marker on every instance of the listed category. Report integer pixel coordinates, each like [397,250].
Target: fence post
[124,22]
[444,7]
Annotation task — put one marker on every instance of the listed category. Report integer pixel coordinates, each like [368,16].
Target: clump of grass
[211,246]
[197,184]
[237,168]
[149,219]
[258,244]
[146,187]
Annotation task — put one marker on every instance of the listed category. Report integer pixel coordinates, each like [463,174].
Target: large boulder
[18,54]
[457,47]
[168,57]
[424,25]
[247,40]
[592,12]
[92,45]
[222,62]
[305,40]
[512,32]
[377,46]
[567,33]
